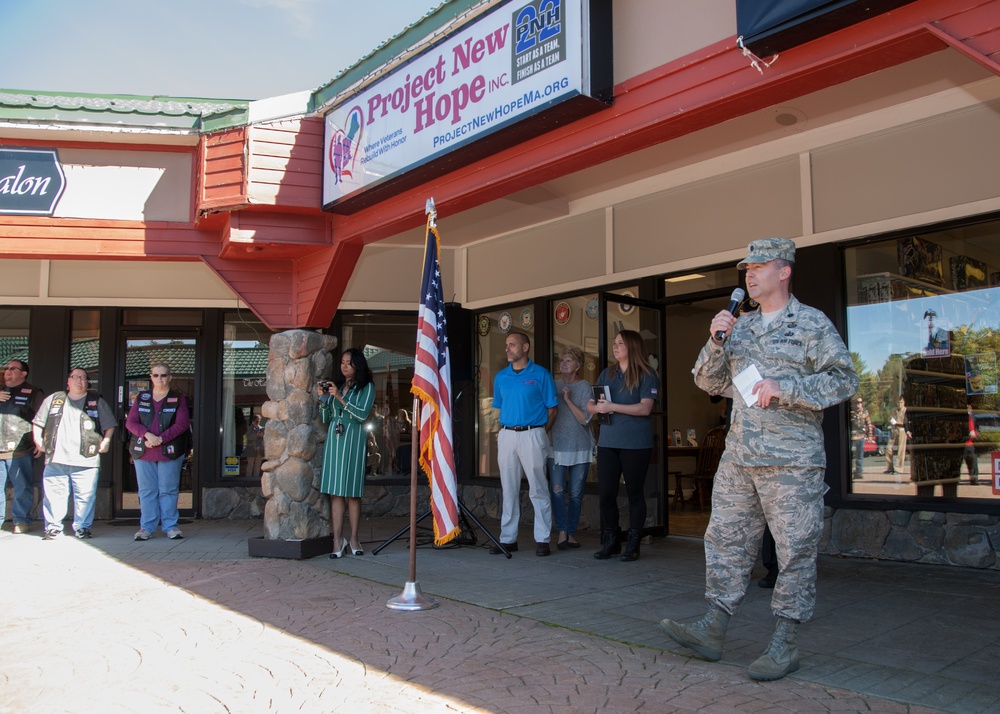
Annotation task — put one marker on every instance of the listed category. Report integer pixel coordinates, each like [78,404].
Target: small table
[674,453]
[682,451]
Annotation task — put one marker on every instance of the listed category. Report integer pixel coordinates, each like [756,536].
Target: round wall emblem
[483,325]
[563,313]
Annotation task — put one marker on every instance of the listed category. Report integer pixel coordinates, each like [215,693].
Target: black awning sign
[31,181]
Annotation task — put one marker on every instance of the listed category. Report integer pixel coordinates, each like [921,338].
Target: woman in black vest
[158,422]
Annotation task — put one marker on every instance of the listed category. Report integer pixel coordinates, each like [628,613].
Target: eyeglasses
[78,376]
[12,368]
[160,375]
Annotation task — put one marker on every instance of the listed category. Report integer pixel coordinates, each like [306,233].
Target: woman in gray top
[572,447]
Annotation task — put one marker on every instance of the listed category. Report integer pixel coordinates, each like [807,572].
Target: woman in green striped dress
[346,405]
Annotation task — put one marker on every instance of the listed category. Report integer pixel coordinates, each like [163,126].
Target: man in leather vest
[19,401]
[73,428]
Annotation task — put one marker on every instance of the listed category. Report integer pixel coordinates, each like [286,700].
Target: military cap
[764,250]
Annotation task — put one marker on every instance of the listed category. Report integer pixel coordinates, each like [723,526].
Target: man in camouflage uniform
[771,472]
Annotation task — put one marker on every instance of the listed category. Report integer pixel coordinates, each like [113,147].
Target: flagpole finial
[431,212]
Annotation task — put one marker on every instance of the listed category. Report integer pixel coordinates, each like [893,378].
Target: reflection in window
[85,337]
[924,325]
[14,335]
[244,377]
[575,324]
[389,344]
[492,329]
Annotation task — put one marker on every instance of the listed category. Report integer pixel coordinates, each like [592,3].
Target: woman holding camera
[346,404]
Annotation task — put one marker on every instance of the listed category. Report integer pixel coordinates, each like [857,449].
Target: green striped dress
[345,455]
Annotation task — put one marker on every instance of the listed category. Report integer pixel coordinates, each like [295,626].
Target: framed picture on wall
[920,259]
[967,273]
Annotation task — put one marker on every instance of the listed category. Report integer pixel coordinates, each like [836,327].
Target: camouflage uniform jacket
[800,349]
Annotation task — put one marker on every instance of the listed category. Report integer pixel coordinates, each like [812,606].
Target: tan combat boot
[782,656]
[705,637]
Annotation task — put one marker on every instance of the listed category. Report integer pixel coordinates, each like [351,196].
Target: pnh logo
[539,38]
[537,23]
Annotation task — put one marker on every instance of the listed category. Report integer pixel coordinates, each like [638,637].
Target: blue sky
[223,49]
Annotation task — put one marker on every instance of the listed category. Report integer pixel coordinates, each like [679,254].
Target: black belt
[522,428]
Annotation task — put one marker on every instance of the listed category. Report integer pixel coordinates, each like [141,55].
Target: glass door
[626,312]
[139,350]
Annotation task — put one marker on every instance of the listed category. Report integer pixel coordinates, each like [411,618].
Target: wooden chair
[709,453]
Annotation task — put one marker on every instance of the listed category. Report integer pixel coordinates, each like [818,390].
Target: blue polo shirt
[524,397]
[626,431]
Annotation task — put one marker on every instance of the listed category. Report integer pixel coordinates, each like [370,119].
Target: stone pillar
[293,459]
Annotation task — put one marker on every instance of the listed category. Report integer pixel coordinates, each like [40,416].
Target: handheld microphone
[734,304]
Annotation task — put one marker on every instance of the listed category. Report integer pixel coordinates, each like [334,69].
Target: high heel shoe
[340,553]
[359,551]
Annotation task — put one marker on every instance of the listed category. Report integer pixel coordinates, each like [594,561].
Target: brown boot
[706,637]
[782,656]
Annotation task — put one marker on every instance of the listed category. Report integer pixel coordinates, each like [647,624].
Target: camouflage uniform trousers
[744,500]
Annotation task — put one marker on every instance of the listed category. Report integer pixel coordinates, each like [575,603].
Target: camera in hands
[325,386]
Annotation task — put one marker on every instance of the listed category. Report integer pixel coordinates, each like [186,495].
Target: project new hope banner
[520,58]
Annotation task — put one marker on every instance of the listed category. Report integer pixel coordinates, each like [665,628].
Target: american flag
[432,384]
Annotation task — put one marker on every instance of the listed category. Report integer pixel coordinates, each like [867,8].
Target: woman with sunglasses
[158,421]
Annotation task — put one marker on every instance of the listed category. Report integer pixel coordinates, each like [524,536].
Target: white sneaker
[142,534]
[175,534]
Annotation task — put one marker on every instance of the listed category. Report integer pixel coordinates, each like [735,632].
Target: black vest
[15,419]
[176,447]
[90,425]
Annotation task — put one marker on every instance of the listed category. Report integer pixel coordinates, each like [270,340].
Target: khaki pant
[897,446]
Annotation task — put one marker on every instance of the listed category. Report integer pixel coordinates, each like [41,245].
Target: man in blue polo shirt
[526,396]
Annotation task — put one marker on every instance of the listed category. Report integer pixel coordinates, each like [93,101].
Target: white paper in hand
[744,383]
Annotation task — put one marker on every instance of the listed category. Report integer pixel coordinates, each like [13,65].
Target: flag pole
[412,598]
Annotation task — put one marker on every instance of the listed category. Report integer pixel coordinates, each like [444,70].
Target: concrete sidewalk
[197,625]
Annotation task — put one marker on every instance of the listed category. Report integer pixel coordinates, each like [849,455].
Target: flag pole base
[411,599]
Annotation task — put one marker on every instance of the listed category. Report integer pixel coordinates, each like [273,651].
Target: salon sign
[31,181]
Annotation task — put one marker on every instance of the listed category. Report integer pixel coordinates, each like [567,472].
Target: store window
[388,342]
[492,329]
[924,332]
[14,334]
[84,341]
[575,324]
[244,390]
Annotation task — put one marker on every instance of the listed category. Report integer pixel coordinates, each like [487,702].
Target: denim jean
[21,472]
[159,482]
[57,479]
[567,518]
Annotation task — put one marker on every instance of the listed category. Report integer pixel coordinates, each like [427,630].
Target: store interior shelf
[916,282]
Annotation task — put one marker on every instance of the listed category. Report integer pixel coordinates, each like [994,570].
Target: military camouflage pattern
[790,499]
[773,466]
[802,350]
[764,250]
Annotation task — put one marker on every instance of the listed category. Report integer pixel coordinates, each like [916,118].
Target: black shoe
[562,545]
[610,545]
[767,582]
[888,471]
[509,547]
[542,549]
[51,534]
[632,546]
[84,533]
[572,544]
